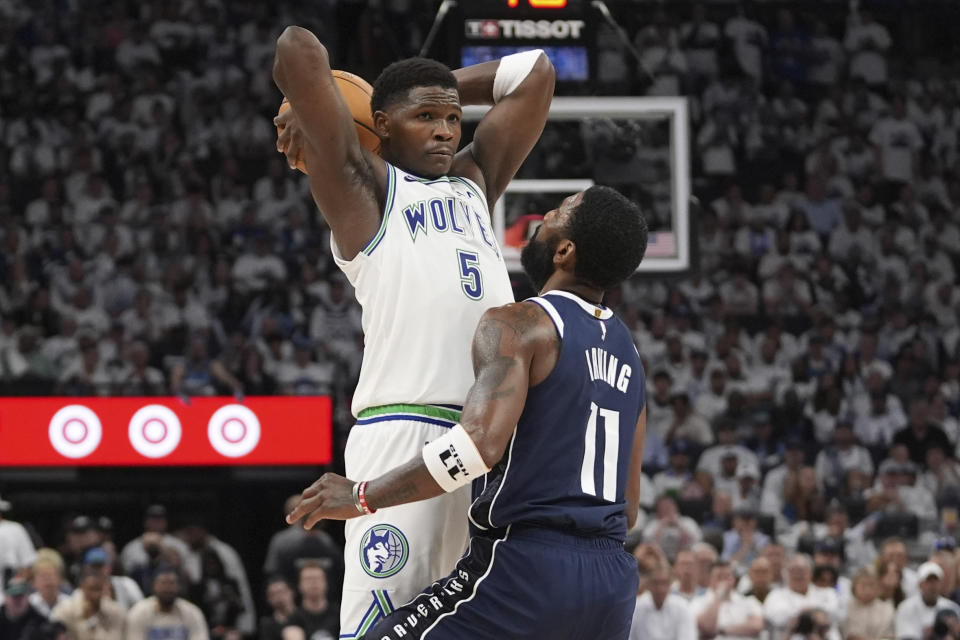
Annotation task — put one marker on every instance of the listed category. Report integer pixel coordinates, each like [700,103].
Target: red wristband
[362,495]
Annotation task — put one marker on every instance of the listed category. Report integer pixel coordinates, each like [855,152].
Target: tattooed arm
[514,347]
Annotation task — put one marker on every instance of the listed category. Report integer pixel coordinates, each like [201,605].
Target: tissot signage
[482,30]
[524,29]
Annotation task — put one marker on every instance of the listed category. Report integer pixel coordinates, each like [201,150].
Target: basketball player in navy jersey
[551,438]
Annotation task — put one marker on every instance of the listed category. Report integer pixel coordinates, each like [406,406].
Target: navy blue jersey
[567,463]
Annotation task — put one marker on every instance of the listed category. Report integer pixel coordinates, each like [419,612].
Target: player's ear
[563,257]
[381,122]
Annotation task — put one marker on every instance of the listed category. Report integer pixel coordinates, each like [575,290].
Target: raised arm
[512,348]
[347,182]
[507,132]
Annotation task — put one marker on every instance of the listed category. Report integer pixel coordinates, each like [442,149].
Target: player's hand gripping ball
[356,93]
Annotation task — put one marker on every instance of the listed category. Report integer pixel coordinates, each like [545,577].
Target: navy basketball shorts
[525,583]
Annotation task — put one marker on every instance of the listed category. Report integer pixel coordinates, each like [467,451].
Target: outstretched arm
[508,132]
[347,182]
[504,347]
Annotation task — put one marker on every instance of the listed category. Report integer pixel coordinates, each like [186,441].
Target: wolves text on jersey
[445,215]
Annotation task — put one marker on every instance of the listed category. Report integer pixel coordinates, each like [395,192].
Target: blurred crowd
[185,584]
[801,475]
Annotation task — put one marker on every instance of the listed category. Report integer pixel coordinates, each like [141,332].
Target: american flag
[661,244]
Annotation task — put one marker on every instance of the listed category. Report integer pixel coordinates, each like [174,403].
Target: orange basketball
[356,93]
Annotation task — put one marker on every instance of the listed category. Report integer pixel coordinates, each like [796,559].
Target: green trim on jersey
[387,208]
[428,410]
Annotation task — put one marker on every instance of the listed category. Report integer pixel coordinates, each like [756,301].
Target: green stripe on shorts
[429,410]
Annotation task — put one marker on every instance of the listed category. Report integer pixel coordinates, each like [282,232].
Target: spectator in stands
[893,551]
[827,59]
[291,546]
[713,401]
[866,41]
[739,295]
[743,543]
[943,471]
[253,376]
[943,556]
[90,614]
[760,577]
[915,615]
[316,617]
[143,549]
[165,614]
[669,530]
[660,614]
[802,498]
[675,477]
[749,39]
[726,447]
[920,434]
[879,412]
[686,424]
[836,461]
[786,603]
[18,550]
[899,141]
[18,620]
[304,375]
[200,543]
[139,378]
[828,552]
[722,612]
[685,574]
[255,271]
[199,374]
[890,581]
[49,588]
[81,535]
[280,598]
[218,597]
[123,590]
[700,39]
[868,615]
[894,491]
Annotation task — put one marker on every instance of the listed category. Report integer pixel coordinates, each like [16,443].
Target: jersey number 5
[471,280]
[611,451]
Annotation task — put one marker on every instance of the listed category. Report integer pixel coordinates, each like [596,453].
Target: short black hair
[398,78]
[610,234]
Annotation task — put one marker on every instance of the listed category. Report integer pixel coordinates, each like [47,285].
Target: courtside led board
[164,431]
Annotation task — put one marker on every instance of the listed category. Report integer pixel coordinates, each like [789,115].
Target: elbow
[544,69]
[296,42]
[491,452]
[294,38]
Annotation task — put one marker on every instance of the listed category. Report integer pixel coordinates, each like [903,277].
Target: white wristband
[512,71]
[453,459]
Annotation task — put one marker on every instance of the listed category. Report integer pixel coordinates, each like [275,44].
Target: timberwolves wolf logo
[383,551]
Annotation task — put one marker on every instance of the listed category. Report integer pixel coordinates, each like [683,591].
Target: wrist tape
[453,459]
[512,71]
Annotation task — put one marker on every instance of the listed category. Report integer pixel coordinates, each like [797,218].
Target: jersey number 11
[611,450]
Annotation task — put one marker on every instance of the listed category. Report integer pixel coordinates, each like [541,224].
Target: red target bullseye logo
[155,431]
[75,431]
[234,430]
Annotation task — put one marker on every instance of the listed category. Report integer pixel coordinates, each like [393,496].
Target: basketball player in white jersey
[411,230]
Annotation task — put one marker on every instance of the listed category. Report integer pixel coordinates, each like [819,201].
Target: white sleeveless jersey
[423,282]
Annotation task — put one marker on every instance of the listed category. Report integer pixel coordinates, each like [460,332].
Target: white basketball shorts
[394,554]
